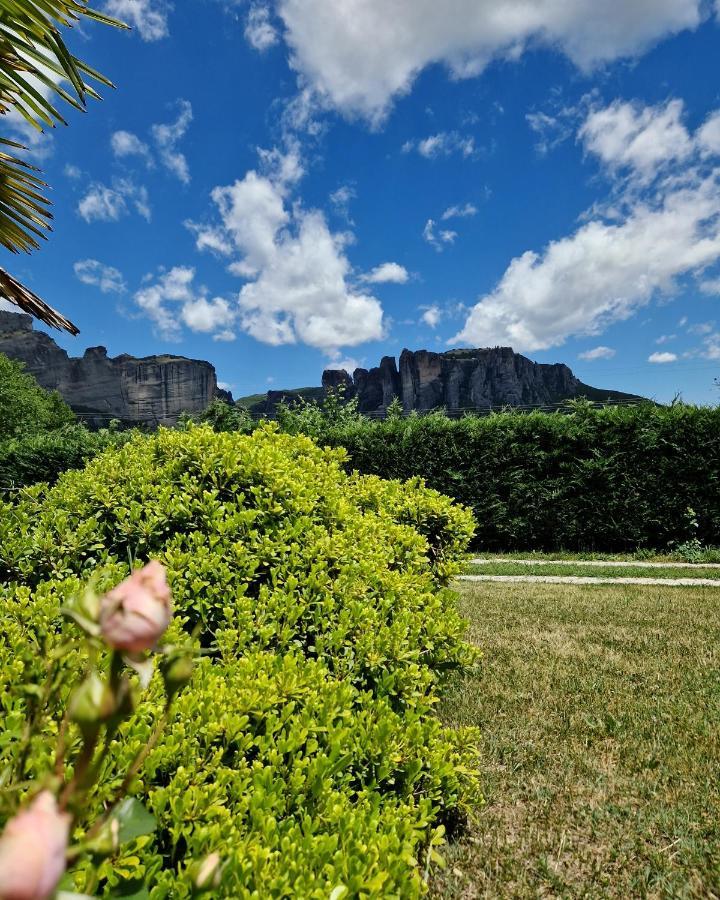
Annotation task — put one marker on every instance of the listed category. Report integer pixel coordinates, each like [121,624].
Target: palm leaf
[35,64]
[27,301]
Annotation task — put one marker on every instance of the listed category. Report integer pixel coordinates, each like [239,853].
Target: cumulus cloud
[259,30]
[171,300]
[296,270]
[438,239]
[664,224]
[387,273]
[597,353]
[103,203]
[708,135]
[358,60]
[149,17]
[445,143]
[660,358]
[109,279]
[167,137]
[642,138]
[432,316]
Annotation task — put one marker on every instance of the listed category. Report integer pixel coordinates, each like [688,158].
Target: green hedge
[44,456]
[305,750]
[595,479]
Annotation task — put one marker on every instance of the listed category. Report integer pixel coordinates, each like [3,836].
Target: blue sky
[281,186]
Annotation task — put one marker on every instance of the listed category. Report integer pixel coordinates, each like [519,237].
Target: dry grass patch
[600,710]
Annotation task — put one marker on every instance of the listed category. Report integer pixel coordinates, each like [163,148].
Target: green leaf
[133,819]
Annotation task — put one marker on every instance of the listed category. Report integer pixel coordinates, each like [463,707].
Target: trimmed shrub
[305,750]
[43,457]
[588,479]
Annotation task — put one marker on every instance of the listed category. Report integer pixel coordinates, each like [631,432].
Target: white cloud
[445,143]
[387,273]
[708,134]
[149,17]
[459,212]
[597,353]
[711,286]
[663,224]
[107,278]
[174,286]
[340,200]
[207,315]
[102,203]
[347,364]
[358,57]
[432,316]
[660,358]
[166,138]
[226,335]
[665,338]
[552,129]
[440,239]
[712,346]
[628,135]
[602,273]
[259,30]
[125,143]
[196,311]
[296,269]
[72,172]
[702,328]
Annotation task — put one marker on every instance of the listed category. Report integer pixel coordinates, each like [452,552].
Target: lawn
[576,568]
[600,712]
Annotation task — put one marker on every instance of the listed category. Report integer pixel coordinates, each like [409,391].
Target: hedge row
[304,750]
[595,479]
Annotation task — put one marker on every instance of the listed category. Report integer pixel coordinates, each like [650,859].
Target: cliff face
[463,379]
[152,390]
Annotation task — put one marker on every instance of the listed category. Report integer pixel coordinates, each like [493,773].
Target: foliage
[36,68]
[39,436]
[224,416]
[305,751]
[112,637]
[25,408]
[34,458]
[609,479]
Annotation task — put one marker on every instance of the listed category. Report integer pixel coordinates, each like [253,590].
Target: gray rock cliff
[464,380]
[152,390]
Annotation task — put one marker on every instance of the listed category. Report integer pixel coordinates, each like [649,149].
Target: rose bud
[135,614]
[206,875]
[32,850]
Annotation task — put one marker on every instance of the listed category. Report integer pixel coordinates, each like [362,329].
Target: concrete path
[597,563]
[573,579]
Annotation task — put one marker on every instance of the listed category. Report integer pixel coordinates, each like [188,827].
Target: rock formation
[463,380]
[152,390]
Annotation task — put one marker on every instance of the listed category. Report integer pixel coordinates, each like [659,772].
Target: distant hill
[456,380]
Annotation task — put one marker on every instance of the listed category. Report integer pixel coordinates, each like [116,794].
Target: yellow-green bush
[305,750]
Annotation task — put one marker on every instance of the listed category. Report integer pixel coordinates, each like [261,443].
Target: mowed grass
[705,555]
[577,569]
[600,713]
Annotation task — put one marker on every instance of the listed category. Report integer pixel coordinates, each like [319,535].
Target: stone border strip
[597,563]
[574,579]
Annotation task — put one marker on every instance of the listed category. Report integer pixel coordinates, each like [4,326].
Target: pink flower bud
[32,850]
[135,614]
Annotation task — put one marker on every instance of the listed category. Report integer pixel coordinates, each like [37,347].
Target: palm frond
[27,301]
[37,70]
